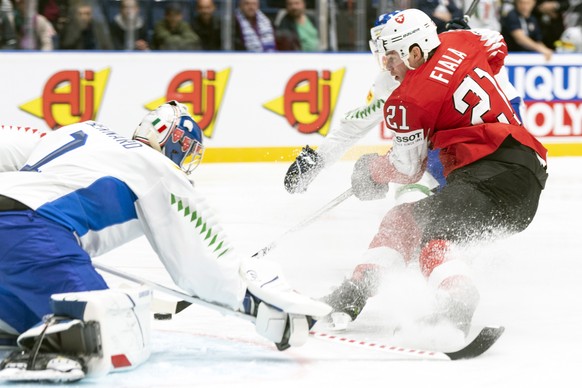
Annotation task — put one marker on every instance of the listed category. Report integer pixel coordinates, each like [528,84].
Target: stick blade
[480,344]
[181,305]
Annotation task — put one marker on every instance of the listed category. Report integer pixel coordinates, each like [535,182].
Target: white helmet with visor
[375,34]
[402,30]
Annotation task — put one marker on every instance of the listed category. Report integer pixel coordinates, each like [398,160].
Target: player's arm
[373,173]
[186,235]
[493,44]
[354,125]
[404,163]
[357,123]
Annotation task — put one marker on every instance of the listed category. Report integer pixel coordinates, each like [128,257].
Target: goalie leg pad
[120,335]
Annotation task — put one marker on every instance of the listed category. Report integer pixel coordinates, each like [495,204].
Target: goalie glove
[284,329]
[363,185]
[303,170]
[283,315]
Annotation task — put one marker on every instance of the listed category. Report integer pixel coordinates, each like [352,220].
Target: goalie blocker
[90,334]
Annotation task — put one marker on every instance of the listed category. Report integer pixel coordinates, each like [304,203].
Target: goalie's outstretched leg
[89,334]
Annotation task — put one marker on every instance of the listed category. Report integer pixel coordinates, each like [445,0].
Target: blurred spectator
[7,31]
[573,16]
[440,11]
[207,25]
[85,30]
[173,33]
[506,7]
[128,29]
[521,29]
[550,15]
[486,15]
[34,31]
[296,30]
[253,29]
[570,41]
[56,12]
[7,8]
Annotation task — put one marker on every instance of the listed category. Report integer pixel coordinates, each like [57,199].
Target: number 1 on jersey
[79,139]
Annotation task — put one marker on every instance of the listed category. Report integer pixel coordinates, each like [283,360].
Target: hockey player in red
[448,99]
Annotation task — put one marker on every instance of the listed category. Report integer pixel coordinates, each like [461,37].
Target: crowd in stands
[542,26]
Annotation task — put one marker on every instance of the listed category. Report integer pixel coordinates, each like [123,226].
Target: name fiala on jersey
[447,65]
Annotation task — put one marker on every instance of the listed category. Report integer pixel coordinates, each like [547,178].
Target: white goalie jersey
[108,190]
[16,145]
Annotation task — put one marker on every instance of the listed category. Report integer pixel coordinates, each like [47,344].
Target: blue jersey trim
[108,201]
[435,167]
[516,104]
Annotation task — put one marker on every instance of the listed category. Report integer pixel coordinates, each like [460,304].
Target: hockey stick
[185,299]
[470,11]
[474,348]
[484,340]
[333,203]
[176,307]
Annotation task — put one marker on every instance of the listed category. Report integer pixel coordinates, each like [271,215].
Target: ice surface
[530,283]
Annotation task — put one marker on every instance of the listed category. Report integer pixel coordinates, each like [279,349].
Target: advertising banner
[252,107]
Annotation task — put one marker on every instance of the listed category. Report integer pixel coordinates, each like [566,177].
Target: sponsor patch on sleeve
[409,139]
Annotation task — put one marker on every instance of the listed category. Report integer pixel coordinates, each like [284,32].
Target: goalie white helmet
[171,130]
[403,29]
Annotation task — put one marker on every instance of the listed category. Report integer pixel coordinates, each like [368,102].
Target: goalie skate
[43,367]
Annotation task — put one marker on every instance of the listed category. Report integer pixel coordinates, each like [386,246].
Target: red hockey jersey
[451,102]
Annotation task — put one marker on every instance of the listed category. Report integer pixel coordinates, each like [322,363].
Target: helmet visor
[374,50]
[390,60]
[192,157]
[373,46]
[183,146]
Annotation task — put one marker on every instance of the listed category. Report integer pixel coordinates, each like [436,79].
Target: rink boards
[254,107]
